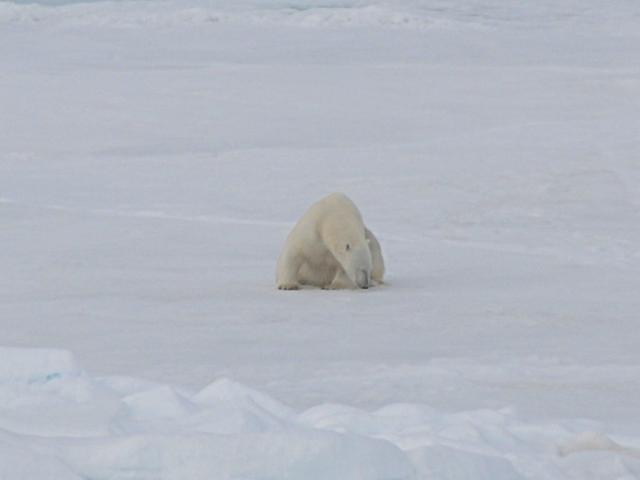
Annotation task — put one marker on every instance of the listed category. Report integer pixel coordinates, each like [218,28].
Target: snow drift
[56,421]
[408,14]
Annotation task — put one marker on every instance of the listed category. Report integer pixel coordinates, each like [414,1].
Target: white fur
[330,247]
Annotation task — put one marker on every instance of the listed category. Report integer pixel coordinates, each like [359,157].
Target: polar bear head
[353,254]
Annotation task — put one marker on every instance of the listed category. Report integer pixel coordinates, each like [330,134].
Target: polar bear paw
[288,286]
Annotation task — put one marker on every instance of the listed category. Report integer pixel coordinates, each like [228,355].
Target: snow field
[153,157]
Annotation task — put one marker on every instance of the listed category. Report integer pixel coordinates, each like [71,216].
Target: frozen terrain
[154,155]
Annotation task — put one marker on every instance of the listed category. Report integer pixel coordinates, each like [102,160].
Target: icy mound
[25,366]
[406,14]
[56,422]
[169,14]
[24,463]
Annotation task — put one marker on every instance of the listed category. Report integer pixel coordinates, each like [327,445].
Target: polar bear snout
[363,279]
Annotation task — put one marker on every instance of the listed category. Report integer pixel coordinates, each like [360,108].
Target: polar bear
[331,248]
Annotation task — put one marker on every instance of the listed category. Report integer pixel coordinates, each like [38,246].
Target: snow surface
[154,155]
[136,429]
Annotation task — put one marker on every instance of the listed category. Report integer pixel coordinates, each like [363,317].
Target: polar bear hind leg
[377,262]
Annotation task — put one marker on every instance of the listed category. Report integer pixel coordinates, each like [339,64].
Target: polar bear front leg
[288,267]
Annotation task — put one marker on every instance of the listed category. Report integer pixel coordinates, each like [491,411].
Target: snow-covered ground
[153,156]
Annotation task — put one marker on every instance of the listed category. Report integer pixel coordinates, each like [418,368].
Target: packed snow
[155,154]
[59,422]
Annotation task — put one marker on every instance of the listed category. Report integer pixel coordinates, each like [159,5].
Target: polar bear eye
[348,247]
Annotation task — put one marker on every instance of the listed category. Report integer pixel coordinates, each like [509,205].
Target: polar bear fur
[331,248]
